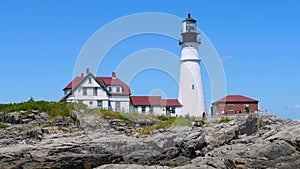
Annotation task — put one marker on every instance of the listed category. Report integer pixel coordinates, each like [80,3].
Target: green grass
[108,114]
[55,109]
[52,108]
[224,120]
[160,122]
[3,126]
[170,122]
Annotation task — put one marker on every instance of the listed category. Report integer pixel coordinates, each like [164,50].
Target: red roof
[236,98]
[170,102]
[74,83]
[103,81]
[145,100]
[107,81]
[153,101]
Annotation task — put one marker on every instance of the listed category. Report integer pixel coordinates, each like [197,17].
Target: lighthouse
[191,94]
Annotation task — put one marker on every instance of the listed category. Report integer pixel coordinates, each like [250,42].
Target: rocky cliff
[32,140]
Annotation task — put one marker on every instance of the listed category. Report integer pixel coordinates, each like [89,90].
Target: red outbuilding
[233,104]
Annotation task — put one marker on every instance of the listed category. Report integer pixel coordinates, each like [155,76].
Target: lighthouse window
[193,87]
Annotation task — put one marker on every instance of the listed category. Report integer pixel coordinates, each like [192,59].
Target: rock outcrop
[89,141]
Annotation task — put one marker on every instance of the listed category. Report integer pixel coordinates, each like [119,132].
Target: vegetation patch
[52,108]
[3,126]
[224,120]
[56,109]
[109,114]
[163,124]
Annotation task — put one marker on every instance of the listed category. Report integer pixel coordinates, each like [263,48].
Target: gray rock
[13,118]
[144,157]
[44,116]
[129,166]
[255,141]
[193,141]
[35,111]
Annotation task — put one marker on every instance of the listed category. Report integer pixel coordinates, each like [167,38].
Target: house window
[230,107]
[91,102]
[80,101]
[90,80]
[84,91]
[99,104]
[143,109]
[193,87]
[170,110]
[95,91]
[118,89]
[118,106]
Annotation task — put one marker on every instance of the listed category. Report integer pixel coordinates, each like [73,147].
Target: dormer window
[90,80]
[118,89]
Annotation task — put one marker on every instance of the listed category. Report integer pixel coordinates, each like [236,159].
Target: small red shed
[234,103]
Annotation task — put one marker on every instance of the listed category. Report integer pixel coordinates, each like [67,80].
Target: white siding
[91,100]
[158,110]
[124,102]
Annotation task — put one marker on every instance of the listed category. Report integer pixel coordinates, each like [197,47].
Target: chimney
[114,74]
[87,70]
[82,75]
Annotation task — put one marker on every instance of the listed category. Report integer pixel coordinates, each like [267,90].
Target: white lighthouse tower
[191,94]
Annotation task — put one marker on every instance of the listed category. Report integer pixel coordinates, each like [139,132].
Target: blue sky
[258,42]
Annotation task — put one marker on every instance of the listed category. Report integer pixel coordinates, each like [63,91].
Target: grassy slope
[55,109]
[52,108]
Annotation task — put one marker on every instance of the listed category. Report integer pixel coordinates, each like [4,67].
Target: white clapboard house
[112,93]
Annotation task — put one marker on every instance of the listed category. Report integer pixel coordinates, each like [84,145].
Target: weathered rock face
[255,141]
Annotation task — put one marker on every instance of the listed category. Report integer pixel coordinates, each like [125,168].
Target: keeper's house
[112,93]
[233,103]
